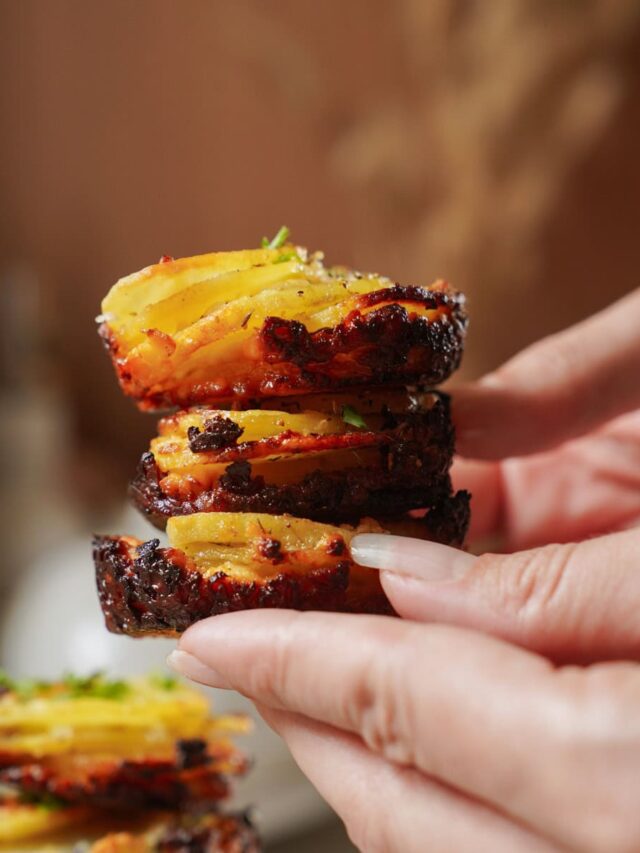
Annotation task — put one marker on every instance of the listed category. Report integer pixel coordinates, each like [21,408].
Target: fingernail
[402,555]
[185,664]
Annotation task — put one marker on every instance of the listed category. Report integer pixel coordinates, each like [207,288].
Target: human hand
[433,737]
[426,736]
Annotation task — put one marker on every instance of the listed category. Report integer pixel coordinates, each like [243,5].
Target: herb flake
[95,686]
[164,682]
[278,241]
[45,801]
[353,417]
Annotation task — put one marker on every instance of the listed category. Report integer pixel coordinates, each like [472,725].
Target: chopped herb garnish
[44,801]
[164,682]
[278,241]
[26,688]
[286,256]
[95,686]
[353,417]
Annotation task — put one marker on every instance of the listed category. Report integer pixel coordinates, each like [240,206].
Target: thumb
[574,602]
[561,387]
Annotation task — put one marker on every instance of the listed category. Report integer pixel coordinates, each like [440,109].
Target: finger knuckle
[384,711]
[605,698]
[368,832]
[599,745]
[271,674]
[529,584]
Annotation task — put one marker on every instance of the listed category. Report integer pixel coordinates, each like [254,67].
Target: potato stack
[306,414]
[144,756]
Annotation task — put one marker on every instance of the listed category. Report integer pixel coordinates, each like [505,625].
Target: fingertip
[428,561]
[194,669]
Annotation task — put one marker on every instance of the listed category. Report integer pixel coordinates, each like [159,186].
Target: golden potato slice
[271,322]
[21,822]
[137,718]
[336,466]
[231,561]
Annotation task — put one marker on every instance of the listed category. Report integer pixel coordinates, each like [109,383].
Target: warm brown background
[493,143]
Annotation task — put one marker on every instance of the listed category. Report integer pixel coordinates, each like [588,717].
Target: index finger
[559,388]
[464,708]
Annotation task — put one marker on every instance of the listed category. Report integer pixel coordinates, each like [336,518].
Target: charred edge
[383,337]
[446,297]
[339,497]
[192,752]
[412,473]
[448,521]
[108,339]
[228,834]
[271,549]
[125,785]
[148,497]
[336,547]
[293,443]
[162,592]
[218,433]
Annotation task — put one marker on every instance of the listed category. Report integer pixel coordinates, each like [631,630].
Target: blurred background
[491,143]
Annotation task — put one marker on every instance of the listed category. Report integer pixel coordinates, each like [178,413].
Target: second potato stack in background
[325,426]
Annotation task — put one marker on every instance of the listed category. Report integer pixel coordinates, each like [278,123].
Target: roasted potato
[24,821]
[221,562]
[210,833]
[148,743]
[270,322]
[334,465]
[95,831]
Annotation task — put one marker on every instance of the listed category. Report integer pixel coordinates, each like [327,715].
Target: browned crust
[120,785]
[148,590]
[373,346]
[415,452]
[229,834]
[145,589]
[207,833]
[288,443]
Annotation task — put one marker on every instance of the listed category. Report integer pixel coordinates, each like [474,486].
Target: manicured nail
[189,666]
[402,555]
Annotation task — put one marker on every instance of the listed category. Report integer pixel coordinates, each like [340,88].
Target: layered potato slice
[88,830]
[210,833]
[220,562]
[330,461]
[271,322]
[25,821]
[147,743]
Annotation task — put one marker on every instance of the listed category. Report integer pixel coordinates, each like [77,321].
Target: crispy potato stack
[84,748]
[272,322]
[303,435]
[335,463]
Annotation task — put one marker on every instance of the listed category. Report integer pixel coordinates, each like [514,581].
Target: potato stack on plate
[144,756]
[306,414]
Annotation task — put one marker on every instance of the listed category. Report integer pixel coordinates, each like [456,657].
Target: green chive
[278,241]
[353,417]
[164,682]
